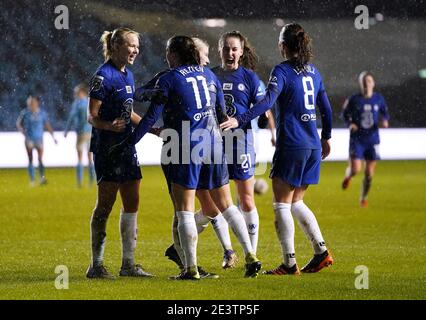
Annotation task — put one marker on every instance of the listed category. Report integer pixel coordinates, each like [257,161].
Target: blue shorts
[241,165]
[243,170]
[367,151]
[197,176]
[33,143]
[297,167]
[122,168]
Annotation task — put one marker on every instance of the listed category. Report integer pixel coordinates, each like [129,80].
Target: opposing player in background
[31,122]
[194,100]
[77,119]
[111,115]
[364,113]
[298,87]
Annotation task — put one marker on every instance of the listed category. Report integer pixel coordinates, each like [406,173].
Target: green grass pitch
[42,227]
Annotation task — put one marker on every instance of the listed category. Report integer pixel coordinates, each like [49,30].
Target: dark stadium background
[37,58]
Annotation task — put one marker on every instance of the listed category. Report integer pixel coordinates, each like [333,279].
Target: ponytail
[298,43]
[110,38]
[184,47]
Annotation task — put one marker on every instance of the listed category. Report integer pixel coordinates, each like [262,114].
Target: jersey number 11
[203,81]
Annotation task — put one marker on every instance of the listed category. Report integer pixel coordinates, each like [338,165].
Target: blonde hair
[200,43]
[110,38]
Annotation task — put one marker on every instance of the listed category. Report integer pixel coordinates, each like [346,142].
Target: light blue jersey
[77,118]
[33,124]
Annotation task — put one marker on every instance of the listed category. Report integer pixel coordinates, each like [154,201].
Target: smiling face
[230,53]
[127,51]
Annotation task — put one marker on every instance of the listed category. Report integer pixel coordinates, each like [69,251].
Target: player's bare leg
[129,192]
[353,168]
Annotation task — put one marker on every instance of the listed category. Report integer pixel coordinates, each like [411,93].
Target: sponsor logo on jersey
[96,83]
[367,107]
[128,89]
[128,108]
[241,87]
[212,87]
[227,86]
[273,81]
[376,107]
[229,103]
[308,117]
[201,115]
[260,91]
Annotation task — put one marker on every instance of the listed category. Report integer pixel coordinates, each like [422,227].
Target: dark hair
[249,58]
[185,49]
[82,87]
[109,38]
[298,43]
[35,97]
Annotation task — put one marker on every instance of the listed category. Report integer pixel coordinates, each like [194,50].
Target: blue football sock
[79,173]
[91,172]
[31,172]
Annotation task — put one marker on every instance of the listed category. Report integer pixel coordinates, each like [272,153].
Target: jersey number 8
[197,91]
[308,88]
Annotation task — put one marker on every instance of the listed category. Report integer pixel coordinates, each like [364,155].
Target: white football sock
[176,240]
[284,225]
[220,226]
[188,237]
[201,220]
[98,236]
[236,221]
[128,231]
[252,222]
[309,225]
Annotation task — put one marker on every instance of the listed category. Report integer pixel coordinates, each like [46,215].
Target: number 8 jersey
[297,93]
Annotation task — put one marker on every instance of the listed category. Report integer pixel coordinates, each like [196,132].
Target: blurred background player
[31,122]
[364,113]
[191,102]
[77,119]
[111,115]
[298,87]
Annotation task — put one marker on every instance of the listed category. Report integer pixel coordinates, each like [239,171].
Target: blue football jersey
[115,89]
[366,114]
[33,123]
[192,93]
[78,117]
[241,89]
[297,93]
